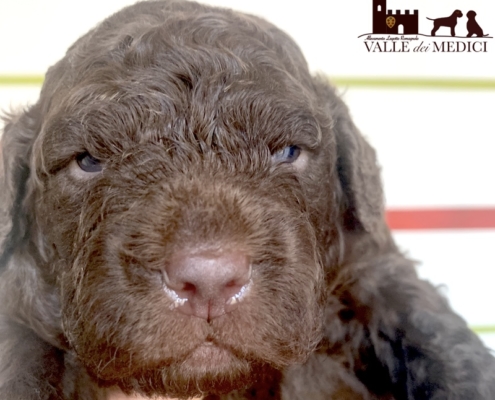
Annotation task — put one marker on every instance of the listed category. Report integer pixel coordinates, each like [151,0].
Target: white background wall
[443,156]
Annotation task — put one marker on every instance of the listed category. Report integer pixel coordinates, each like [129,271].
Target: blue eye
[288,154]
[88,163]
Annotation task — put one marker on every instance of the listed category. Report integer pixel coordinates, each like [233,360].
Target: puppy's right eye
[288,154]
[88,163]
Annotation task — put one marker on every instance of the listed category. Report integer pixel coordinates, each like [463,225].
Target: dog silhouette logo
[472,25]
[449,22]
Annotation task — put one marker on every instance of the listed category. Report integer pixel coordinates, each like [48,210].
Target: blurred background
[429,115]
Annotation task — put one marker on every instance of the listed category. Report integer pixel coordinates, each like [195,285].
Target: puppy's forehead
[170,65]
[176,37]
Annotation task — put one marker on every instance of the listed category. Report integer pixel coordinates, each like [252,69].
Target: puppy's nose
[208,284]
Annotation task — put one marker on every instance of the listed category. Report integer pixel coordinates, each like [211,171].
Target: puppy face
[189,186]
[183,185]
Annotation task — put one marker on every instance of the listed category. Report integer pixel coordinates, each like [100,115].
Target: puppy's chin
[208,369]
[208,357]
[117,394]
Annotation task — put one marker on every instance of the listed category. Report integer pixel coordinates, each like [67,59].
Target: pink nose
[208,284]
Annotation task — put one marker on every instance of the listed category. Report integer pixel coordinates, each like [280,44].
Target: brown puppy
[472,25]
[449,22]
[188,212]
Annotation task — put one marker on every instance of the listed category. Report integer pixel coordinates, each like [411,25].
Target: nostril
[188,288]
[235,286]
[175,283]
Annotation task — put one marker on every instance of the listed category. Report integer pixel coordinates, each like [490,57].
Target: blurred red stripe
[441,218]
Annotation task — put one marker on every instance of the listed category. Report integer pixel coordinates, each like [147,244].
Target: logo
[398,32]
[390,22]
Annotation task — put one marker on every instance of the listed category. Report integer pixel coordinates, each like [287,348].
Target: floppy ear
[357,169]
[24,294]
[15,152]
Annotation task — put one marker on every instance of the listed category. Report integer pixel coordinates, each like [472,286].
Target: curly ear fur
[395,333]
[17,140]
[29,309]
[359,175]
[357,168]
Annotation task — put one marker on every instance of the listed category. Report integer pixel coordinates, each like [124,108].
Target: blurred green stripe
[483,329]
[366,82]
[21,80]
[415,83]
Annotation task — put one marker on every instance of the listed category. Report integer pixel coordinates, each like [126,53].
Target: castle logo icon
[398,23]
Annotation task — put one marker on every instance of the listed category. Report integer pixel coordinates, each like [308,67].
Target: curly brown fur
[187,107]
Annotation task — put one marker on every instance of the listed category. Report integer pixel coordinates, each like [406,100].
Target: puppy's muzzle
[207,283]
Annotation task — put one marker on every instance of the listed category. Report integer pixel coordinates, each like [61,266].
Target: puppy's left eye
[288,154]
[88,163]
